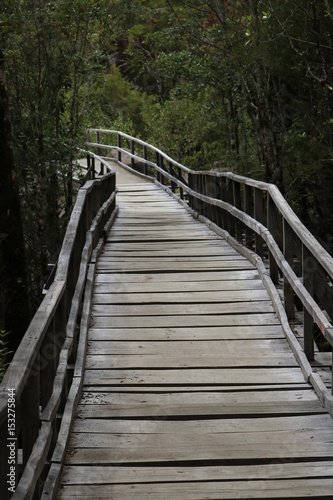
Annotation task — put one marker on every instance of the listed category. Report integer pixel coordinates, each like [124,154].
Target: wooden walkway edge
[191,391]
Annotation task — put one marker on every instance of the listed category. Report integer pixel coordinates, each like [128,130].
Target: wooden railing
[256,218]
[41,384]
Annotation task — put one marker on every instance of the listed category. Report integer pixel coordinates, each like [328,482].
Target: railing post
[190,185]
[238,204]
[88,164]
[231,200]
[29,410]
[93,168]
[132,152]
[224,196]
[249,210]
[181,190]
[119,146]
[47,365]
[288,252]
[272,228]
[201,205]
[308,264]
[101,168]
[203,190]
[219,210]
[163,168]
[98,142]
[258,215]
[145,156]
[173,183]
[158,174]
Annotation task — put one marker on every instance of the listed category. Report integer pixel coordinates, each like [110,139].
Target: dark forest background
[245,86]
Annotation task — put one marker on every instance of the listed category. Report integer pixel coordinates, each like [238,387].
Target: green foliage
[243,86]
[52,57]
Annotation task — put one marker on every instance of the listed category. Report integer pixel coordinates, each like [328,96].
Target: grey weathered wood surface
[190,389]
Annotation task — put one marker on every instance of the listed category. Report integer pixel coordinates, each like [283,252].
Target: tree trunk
[260,110]
[14,316]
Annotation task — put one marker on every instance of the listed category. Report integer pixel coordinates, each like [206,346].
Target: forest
[239,85]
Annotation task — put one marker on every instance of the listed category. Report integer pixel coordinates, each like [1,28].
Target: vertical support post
[145,156]
[88,165]
[163,168]
[231,200]
[272,228]
[238,204]
[288,252]
[249,209]
[181,190]
[224,196]
[258,215]
[98,142]
[207,209]
[132,152]
[101,168]
[201,205]
[190,185]
[47,365]
[29,410]
[219,210]
[93,168]
[171,171]
[213,193]
[119,146]
[158,174]
[203,190]
[308,264]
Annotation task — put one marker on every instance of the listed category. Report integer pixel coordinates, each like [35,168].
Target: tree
[14,301]
[52,56]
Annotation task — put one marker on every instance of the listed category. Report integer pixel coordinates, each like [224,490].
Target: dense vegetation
[240,85]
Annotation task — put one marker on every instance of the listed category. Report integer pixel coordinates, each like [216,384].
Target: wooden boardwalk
[191,391]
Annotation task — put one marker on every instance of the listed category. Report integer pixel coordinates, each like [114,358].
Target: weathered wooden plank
[248,428]
[165,260]
[143,474]
[197,445]
[110,411]
[219,490]
[152,266]
[153,246]
[138,361]
[178,389]
[233,348]
[97,405]
[199,333]
[184,321]
[183,448]
[162,237]
[104,277]
[191,253]
[177,287]
[199,399]
[128,267]
[180,309]
[198,376]
[178,297]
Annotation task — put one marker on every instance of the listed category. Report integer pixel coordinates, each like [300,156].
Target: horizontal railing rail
[253,213]
[43,376]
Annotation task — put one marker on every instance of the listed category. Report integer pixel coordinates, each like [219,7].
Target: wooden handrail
[256,215]
[35,389]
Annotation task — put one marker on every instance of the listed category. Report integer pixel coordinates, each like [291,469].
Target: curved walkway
[191,391]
